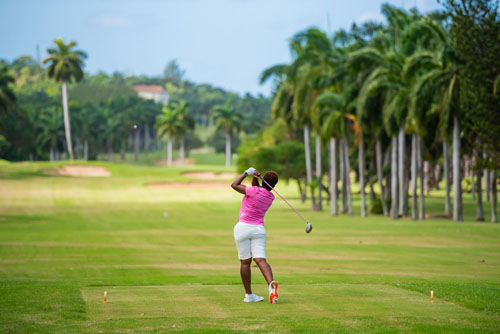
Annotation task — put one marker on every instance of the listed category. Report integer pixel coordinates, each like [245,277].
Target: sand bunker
[210,175]
[74,170]
[176,162]
[191,185]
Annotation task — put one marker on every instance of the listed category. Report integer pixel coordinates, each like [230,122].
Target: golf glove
[250,171]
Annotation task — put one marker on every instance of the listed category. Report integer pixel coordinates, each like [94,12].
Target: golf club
[308,225]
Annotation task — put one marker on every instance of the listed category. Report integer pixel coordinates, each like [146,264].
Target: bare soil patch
[210,175]
[75,170]
[176,162]
[191,185]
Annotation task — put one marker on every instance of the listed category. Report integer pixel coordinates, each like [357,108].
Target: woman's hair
[270,177]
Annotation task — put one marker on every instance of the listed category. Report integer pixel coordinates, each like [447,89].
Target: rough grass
[167,259]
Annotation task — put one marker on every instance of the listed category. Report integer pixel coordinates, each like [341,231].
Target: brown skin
[265,268]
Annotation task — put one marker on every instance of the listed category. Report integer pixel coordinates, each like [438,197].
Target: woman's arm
[236,185]
[255,180]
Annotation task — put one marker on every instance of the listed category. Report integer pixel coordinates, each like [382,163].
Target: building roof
[149,88]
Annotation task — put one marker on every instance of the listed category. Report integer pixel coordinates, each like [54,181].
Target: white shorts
[250,240]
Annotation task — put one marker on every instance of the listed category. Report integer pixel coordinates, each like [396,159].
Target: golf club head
[309,228]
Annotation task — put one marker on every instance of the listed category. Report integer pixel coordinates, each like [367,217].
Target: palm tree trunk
[122,151]
[394,180]
[457,179]
[136,144]
[181,149]
[378,149]
[342,177]
[406,178]
[302,192]
[486,180]
[67,123]
[129,142]
[333,176]
[347,168]
[361,165]
[77,148]
[52,154]
[228,149]
[319,171]
[169,151]
[110,153]
[401,167]
[420,156]
[493,183]
[372,191]
[479,210]
[473,174]
[446,167]
[147,137]
[414,146]
[307,149]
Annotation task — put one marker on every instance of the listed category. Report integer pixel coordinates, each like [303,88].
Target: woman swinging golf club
[250,234]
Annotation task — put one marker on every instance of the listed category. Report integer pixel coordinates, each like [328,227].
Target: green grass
[64,241]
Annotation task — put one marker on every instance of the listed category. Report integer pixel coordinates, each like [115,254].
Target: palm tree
[109,128]
[384,80]
[337,119]
[65,64]
[51,131]
[228,120]
[167,123]
[436,88]
[293,98]
[86,119]
[186,123]
[7,96]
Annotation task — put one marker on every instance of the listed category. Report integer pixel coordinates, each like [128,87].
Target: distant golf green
[165,254]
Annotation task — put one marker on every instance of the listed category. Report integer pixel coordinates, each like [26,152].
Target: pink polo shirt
[254,205]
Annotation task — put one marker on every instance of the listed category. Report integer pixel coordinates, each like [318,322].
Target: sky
[226,43]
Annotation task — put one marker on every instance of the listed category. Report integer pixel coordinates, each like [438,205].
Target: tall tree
[475,32]
[50,130]
[167,124]
[338,120]
[7,96]
[65,64]
[186,124]
[228,120]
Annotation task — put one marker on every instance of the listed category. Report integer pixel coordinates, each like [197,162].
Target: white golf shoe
[252,298]
[273,292]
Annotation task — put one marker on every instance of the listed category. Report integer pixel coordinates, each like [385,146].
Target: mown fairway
[167,259]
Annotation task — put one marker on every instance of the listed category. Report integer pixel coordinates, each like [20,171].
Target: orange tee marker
[432,296]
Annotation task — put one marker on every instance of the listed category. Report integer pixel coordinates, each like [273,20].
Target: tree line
[390,99]
[52,109]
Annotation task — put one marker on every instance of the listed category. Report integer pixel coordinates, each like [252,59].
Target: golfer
[250,234]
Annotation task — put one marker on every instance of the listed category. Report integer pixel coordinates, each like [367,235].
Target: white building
[152,92]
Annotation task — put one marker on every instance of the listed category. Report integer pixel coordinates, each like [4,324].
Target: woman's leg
[265,268]
[246,275]
[243,244]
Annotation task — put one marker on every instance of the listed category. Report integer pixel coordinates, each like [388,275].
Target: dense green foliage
[104,109]
[395,89]
[475,30]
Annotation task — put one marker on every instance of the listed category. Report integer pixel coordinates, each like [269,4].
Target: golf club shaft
[260,177]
